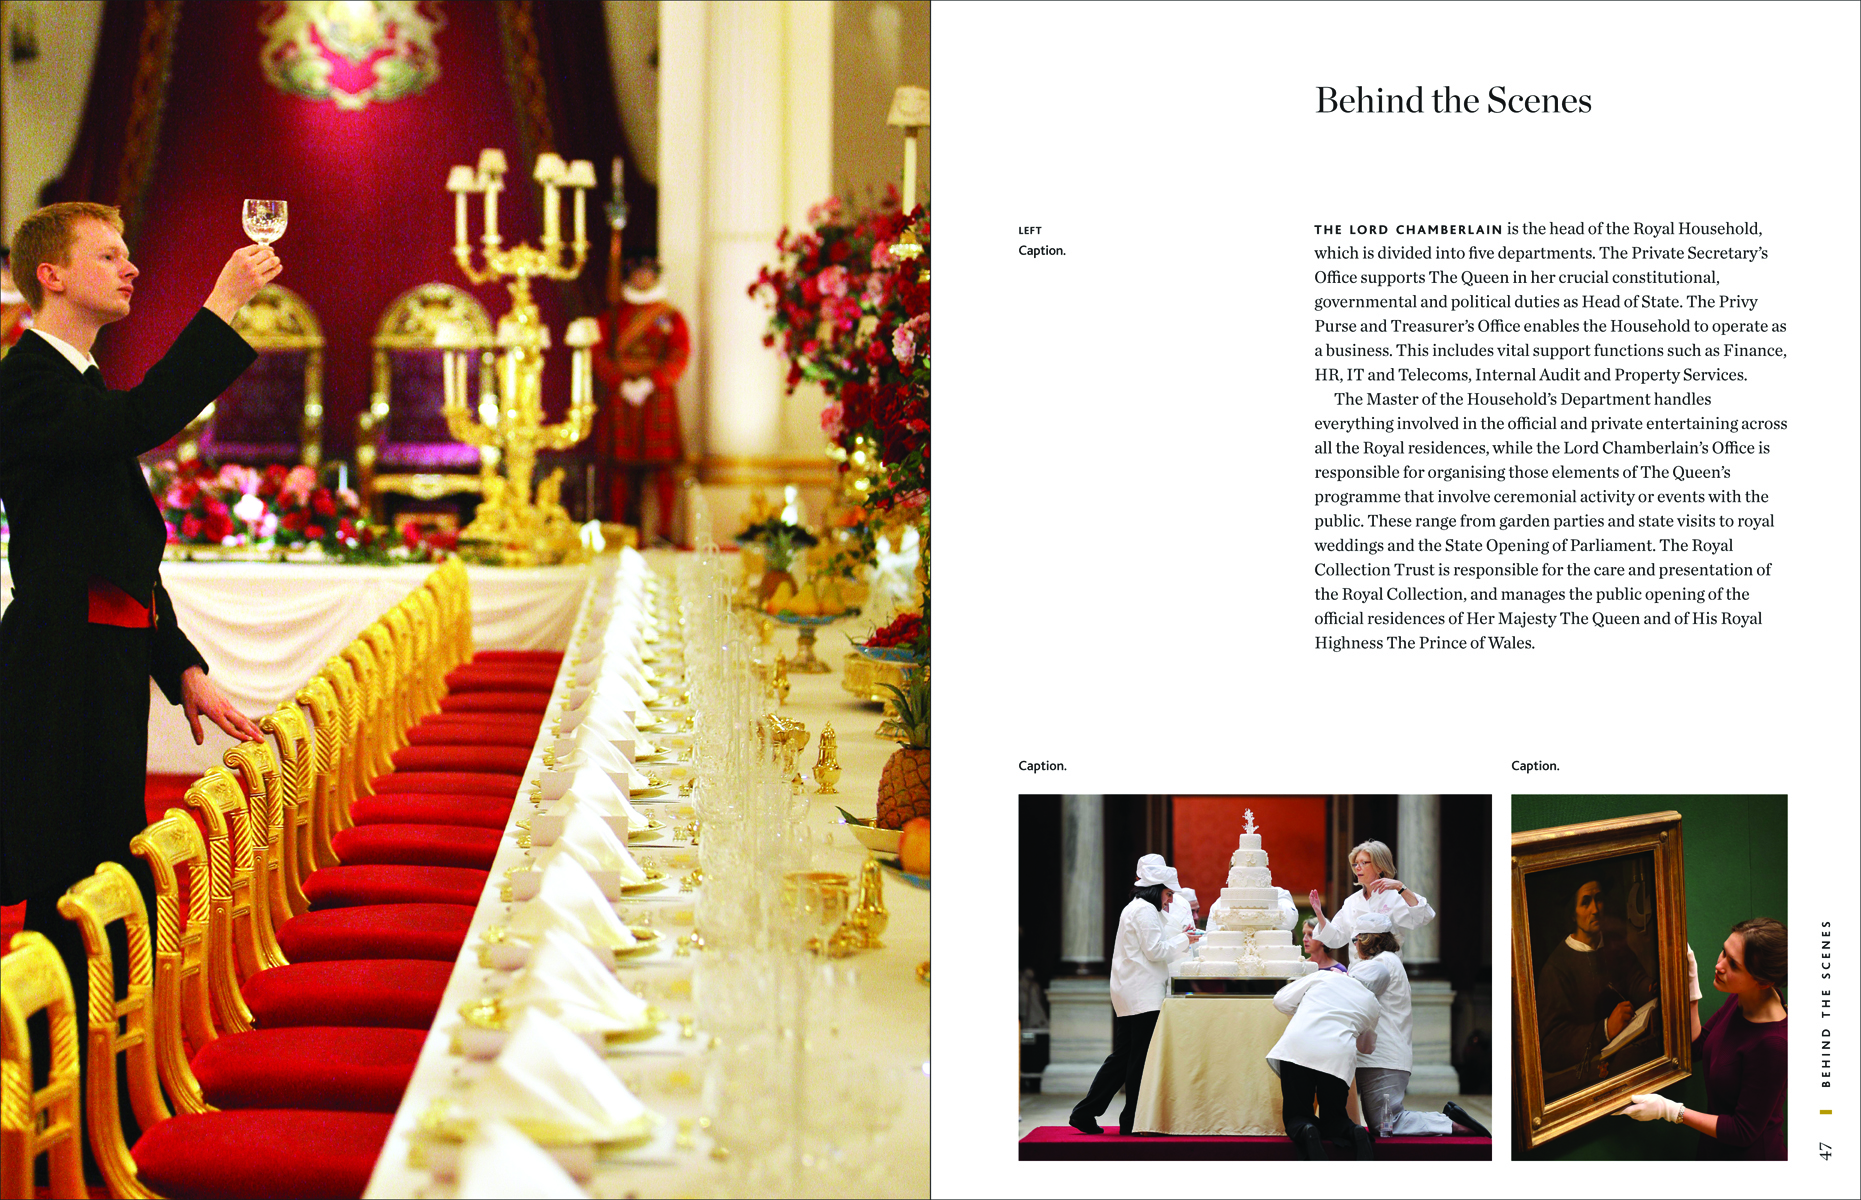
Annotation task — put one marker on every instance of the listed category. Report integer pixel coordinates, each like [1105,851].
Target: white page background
[1123,441]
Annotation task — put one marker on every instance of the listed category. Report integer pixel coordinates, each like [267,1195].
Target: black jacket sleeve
[170,653]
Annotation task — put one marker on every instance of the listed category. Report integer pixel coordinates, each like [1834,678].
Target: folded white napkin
[620,671]
[597,751]
[607,745]
[612,695]
[569,899]
[596,791]
[588,840]
[498,1161]
[566,980]
[554,1087]
[616,727]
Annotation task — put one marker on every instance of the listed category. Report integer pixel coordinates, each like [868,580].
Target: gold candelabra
[512,526]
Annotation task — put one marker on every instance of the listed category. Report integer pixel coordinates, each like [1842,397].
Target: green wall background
[1737,864]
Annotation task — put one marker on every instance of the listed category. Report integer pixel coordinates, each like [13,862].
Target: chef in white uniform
[1183,910]
[1334,1020]
[1383,1072]
[1146,945]
[1378,890]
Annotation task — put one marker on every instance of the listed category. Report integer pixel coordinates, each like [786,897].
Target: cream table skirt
[265,628]
[1207,1071]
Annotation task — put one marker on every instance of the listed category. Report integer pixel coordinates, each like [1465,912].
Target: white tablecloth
[887,1018]
[266,628]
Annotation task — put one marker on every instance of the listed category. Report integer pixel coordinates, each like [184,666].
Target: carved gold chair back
[46,1120]
[257,771]
[291,735]
[116,1025]
[349,755]
[245,947]
[183,946]
[373,748]
[319,699]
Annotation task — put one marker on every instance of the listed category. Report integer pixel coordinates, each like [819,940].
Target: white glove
[1651,1107]
[1692,975]
[635,391]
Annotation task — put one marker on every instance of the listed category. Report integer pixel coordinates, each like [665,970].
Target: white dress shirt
[1342,927]
[1395,1027]
[77,358]
[1331,1013]
[1141,958]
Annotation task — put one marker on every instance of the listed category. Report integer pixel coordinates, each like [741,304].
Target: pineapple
[904,784]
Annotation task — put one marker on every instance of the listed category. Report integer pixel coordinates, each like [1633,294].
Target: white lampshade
[549,168]
[580,174]
[582,331]
[462,179]
[491,162]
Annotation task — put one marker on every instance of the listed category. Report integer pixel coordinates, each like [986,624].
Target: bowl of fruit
[897,641]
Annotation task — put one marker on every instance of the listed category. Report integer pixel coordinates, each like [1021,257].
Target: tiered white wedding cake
[1250,927]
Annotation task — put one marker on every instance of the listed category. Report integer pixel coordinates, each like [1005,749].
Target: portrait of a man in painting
[1594,946]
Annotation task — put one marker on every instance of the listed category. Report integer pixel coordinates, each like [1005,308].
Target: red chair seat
[501,760]
[294,1154]
[430,931]
[501,677]
[524,702]
[389,883]
[396,993]
[433,808]
[552,657]
[418,845]
[323,1067]
[464,733]
[468,783]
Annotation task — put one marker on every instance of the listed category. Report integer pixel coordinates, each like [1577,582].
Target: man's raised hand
[249,269]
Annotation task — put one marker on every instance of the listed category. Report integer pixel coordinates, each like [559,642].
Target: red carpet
[1064,1143]
[162,793]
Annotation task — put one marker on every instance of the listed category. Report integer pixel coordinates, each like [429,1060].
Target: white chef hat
[1374,922]
[1152,870]
[1188,894]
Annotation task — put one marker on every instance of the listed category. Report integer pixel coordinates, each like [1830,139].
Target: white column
[1418,864]
[809,179]
[745,198]
[1082,881]
[1080,1039]
[683,47]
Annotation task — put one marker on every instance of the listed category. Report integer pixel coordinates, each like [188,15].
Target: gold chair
[257,772]
[44,1120]
[274,412]
[242,952]
[292,735]
[328,746]
[181,954]
[404,446]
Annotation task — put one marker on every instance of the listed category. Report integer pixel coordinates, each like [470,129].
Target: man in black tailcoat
[88,623]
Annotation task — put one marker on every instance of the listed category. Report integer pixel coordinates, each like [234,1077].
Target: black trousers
[1299,1087]
[1130,1045]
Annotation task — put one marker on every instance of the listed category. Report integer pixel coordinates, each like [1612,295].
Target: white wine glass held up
[265,220]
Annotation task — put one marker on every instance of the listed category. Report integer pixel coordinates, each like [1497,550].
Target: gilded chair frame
[182,952]
[48,1120]
[277,320]
[117,1025]
[257,772]
[412,322]
[318,698]
[238,956]
[288,730]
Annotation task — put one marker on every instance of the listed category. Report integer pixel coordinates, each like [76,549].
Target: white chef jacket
[1330,1010]
[1141,958]
[1342,927]
[1395,1028]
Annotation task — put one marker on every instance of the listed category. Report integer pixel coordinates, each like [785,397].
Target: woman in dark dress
[1742,1049]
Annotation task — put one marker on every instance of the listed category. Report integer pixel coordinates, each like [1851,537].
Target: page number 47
[1822,1148]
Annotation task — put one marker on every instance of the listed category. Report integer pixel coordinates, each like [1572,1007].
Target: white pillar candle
[911,169]
[552,216]
[581,220]
[458,218]
[491,215]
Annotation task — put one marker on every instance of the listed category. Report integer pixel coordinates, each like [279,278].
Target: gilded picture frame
[1599,1004]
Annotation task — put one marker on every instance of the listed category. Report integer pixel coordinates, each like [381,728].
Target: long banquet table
[885,1016]
[264,628]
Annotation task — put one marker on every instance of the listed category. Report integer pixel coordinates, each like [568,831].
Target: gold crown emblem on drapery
[351,52]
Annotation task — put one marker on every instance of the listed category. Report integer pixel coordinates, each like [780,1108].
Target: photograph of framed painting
[1598,970]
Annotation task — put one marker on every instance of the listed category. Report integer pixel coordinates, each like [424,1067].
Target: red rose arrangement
[278,507]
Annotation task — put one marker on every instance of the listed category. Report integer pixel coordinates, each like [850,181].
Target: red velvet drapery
[369,213]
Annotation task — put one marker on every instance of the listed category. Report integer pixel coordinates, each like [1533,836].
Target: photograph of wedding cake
[1250,927]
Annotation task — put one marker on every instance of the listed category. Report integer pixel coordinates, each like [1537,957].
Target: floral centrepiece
[278,508]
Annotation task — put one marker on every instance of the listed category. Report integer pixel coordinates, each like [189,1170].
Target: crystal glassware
[265,220]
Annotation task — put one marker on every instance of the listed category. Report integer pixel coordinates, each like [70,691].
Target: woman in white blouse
[1378,891]
[1146,945]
